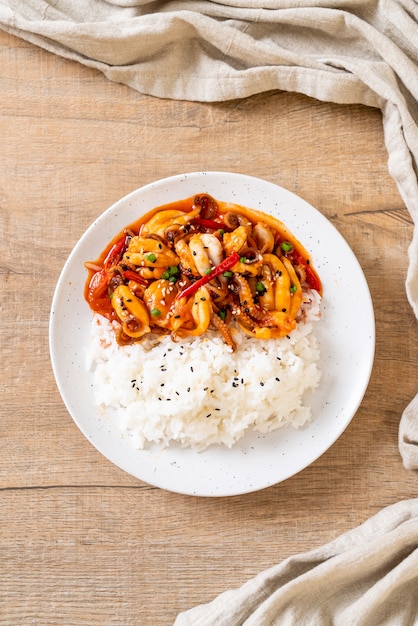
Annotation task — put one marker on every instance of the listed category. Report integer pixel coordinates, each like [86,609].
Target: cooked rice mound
[198,392]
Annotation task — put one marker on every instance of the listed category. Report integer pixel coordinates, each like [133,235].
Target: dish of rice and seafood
[206,334]
[197,302]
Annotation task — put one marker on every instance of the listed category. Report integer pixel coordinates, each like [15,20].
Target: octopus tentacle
[224,329]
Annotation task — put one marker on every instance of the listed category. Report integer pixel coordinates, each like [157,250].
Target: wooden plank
[81,541]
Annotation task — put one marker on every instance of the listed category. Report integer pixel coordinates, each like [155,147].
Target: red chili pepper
[131,275]
[200,221]
[98,284]
[311,276]
[219,269]
[115,253]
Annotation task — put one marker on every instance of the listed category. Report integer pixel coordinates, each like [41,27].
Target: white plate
[346,334]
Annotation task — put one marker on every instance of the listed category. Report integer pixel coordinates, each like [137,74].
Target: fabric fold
[366,577]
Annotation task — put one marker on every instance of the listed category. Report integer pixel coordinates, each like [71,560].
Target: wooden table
[81,541]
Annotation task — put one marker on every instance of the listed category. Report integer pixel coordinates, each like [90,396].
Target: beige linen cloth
[342,51]
[366,577]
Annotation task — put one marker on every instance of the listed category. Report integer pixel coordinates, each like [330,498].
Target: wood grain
[80,541]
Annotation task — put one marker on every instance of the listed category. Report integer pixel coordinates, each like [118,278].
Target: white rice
[198,392]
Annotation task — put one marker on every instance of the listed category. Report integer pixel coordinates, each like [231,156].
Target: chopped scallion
[287,246]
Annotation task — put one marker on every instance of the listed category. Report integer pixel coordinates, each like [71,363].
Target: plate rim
[170,180]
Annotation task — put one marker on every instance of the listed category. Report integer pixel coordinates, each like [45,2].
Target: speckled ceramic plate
[346,334]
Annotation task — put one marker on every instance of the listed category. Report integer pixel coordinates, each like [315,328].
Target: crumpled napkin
[342,51]
[366,577]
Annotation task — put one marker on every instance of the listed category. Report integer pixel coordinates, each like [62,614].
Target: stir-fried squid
[199,264]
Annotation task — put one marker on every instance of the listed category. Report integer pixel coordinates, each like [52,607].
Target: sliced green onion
[228,274]
[208,271]
[222,314]
[171,273]
[293,289]
[151,257]
[287,246]
[155,312]
[260,287]
[243,259]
